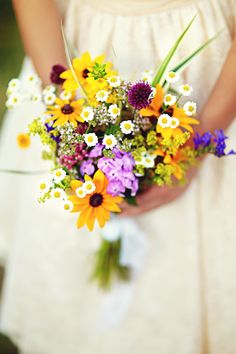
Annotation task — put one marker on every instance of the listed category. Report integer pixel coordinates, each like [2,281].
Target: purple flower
[139,95]
[56,71]
[50,130]
[96,151]
[219,139]
[115,187]
[105,164]
[202,140]
[87,167]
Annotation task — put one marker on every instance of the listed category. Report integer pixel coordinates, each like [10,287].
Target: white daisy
[65,95]
[91,139]
[174,122]
[32,79]
[127,127]
[68,206]
[87,114]
[89,187]
[172,77]
[185,90]
[49,89]
[80,192]
[49,98]
[58,175]
[44,186]
[36,98]
[58,193]
[114,81]
[14,100]
[169,100]
[164,120]
[147,76]
[14,85]
[114,110]
[102,96]
[149,161]
[109,141]
[190,108]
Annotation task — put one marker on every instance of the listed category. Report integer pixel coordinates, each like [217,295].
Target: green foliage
[152,138]
[98,71]
[163,174]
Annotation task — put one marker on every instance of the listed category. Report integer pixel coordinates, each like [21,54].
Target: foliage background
[11,51]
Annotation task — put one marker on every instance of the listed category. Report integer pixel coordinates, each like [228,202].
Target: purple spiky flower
[139,95]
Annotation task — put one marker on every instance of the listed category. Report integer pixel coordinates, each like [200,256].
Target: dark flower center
[67,109]
[169,111]
[96,200]
[85,73]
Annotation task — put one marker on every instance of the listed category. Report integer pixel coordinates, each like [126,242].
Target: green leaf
[131,201]
[162,69]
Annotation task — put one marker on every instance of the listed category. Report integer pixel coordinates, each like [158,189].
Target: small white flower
[90,139]
[127,127]
[14,100]
[68,206]
[102,96]
[190,108]
[174,122]
[80,192]
[58,175]
[36,98]
[49,89]
[89,187]
[65,95]
[114,110]
[169,100]
[44,186]
[114,81]
[147,76]
[87,114]
[58,193]
[109,141]
[32,79]
[172,77]
[148,161]
[164,120]
[49,98]
[185,90]
[14,85]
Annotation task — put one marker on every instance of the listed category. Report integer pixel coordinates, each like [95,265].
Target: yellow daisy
[23,141]
[65,111]
[96,205]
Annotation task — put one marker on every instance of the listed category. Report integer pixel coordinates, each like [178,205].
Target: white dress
[185,298]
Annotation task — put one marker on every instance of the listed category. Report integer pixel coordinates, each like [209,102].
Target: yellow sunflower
[96,205]
[65,111]
[82,67]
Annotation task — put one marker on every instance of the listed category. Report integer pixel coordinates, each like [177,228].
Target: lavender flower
[219,139]
[87,167]
[139,95]
[96,151]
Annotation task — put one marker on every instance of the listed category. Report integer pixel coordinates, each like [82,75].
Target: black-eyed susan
[154,108]
[23,141]
[97,204]
[82,67]
[65,111]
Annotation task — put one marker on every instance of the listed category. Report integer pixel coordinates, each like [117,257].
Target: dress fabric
[185,297]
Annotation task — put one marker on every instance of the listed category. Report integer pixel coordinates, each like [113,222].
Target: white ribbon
[134,246]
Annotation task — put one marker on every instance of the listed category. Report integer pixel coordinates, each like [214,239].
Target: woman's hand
[157,196]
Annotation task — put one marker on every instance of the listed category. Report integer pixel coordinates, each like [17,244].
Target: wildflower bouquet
[110,139]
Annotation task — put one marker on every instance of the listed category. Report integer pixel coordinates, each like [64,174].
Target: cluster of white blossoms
[49,95]
[49,186]
[87,187]
[26,89]
[166,121]
[146,159]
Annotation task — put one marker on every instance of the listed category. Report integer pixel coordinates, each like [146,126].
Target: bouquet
[110,139]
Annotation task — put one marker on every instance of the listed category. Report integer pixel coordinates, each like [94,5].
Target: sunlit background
[11,51]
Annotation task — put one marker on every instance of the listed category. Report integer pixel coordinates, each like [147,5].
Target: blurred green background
[11,51]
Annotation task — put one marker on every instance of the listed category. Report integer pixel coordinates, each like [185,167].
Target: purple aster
[56,71]
[139,95]
[87,167]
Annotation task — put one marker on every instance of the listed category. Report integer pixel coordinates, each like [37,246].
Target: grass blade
[162,69]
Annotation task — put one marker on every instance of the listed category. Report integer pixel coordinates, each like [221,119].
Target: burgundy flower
[55,74]
[139,95]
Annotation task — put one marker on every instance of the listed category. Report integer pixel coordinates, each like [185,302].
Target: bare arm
[39,23]
[220,109]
